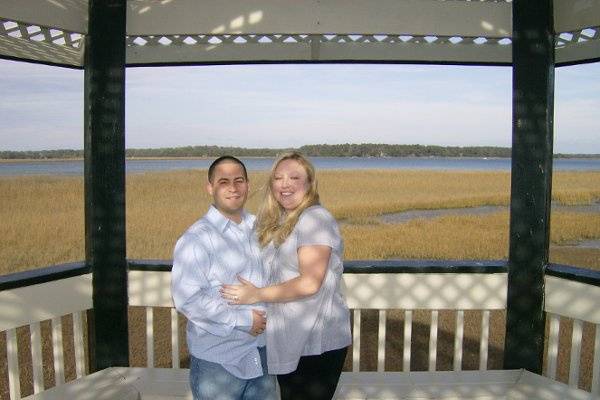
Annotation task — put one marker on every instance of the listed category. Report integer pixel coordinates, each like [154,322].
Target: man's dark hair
[211,169]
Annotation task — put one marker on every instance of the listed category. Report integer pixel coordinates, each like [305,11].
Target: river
[75,167]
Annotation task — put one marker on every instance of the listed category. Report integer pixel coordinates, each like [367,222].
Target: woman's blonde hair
[272,223]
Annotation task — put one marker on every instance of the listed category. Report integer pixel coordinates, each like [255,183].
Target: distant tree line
[41,154]
[402,150]
[316,150]
[203,151]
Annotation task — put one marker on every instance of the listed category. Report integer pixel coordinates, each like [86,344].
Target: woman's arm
[312,264]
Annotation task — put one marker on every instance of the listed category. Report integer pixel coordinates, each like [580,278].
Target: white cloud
[292,105]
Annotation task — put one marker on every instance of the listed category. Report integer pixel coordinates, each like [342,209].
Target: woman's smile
[290,184]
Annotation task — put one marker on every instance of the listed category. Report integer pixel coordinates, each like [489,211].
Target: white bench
[172,384]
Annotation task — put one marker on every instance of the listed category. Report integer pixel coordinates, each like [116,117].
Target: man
[227,353]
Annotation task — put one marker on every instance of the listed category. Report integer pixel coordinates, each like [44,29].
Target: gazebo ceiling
[252,31]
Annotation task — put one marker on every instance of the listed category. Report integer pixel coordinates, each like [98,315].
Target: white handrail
[364,291]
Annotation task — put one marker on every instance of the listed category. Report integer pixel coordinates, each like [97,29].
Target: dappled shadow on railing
[421,287]
[572,339]
[414,294]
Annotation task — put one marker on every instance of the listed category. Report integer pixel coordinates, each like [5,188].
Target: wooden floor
[172,384]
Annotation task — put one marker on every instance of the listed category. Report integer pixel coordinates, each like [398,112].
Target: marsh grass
[41,222]
[41,218]
[457,237]
[351,194]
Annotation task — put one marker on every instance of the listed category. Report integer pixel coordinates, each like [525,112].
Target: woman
[308,328]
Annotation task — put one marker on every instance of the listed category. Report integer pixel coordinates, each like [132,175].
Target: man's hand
[259,322]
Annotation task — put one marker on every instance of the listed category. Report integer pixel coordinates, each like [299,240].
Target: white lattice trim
[37,33]
[240,39]
[574,38]
[40,43]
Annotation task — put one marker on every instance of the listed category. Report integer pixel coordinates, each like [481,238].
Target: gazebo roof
[171,32]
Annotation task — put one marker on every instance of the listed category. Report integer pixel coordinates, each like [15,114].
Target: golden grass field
[41,224]
[41,219]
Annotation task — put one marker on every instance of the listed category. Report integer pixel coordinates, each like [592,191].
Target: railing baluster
[174,338]
[433,332]
[14,383]
[553,346]
[381,341]
[356,342]
[57,351]
[36,357]
[596,369]
[78,343]
[575,353]
[458,339]
[407,340]
[484,340]
[150,337]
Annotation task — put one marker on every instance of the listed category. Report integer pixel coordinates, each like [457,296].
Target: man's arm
[190,288]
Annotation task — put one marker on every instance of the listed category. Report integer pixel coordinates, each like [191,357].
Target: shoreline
[50,160]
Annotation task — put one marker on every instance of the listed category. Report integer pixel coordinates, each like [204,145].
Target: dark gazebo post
[533,107]
[105,181]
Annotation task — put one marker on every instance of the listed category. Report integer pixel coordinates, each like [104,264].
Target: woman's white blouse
[317,323]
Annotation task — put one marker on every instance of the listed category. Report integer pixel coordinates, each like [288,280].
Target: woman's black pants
[315,378]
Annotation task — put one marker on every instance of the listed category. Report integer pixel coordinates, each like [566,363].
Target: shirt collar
[221,222]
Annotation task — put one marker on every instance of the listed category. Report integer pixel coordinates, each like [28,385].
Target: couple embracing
[263,294]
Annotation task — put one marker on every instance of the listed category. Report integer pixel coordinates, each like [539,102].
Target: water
[406,216]
[73,167]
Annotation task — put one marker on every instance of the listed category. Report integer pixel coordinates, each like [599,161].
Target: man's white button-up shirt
[212,252]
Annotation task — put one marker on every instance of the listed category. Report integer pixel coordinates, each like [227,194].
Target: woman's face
[290,184]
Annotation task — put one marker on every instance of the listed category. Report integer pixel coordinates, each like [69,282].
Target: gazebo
[105,37]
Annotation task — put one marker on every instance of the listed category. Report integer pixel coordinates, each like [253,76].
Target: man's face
[229,189]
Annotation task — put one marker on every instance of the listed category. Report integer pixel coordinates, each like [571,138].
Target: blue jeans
[210,381]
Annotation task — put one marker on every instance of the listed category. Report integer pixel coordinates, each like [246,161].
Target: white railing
[151,289]
[580,302]
[424,291]
[30,305]
[406,292]
[383,292]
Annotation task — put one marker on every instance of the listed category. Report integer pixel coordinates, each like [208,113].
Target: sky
[275,106]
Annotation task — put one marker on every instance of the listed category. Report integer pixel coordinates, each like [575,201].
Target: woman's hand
[246,293]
